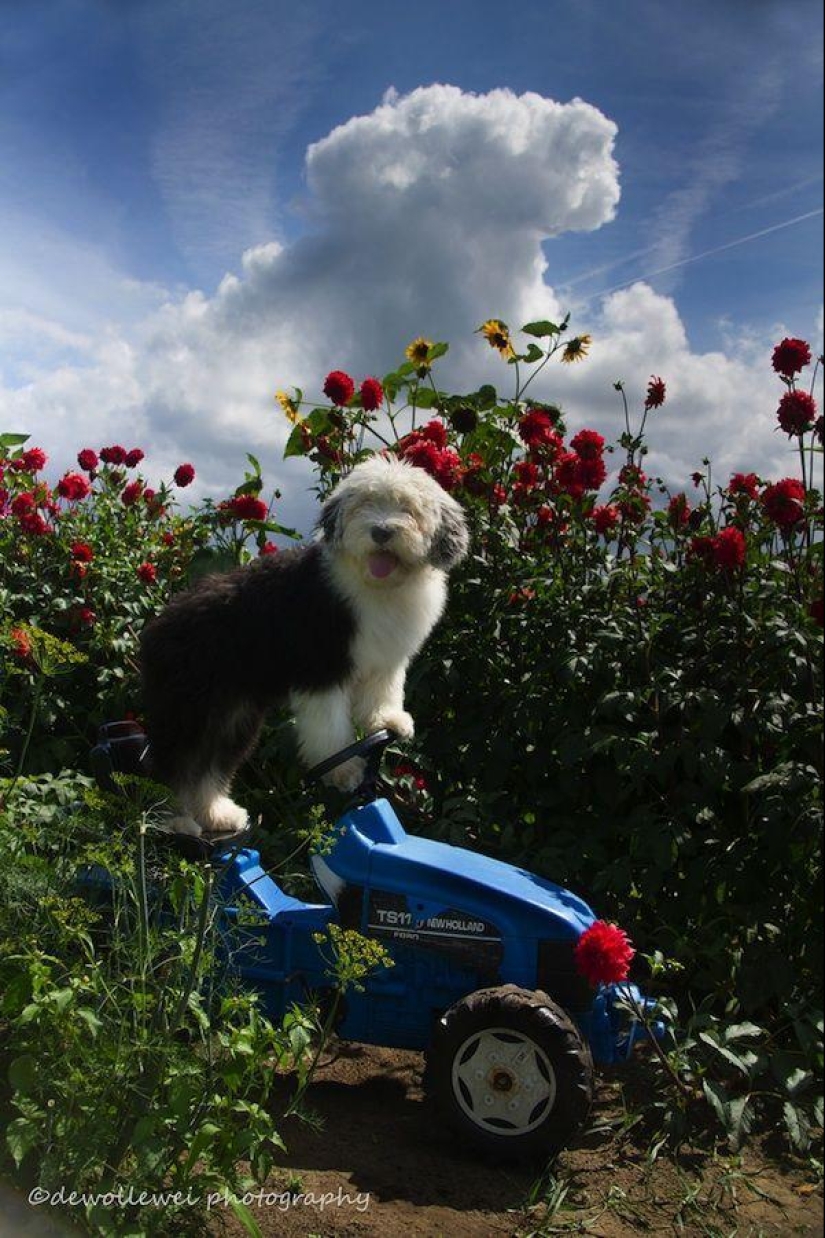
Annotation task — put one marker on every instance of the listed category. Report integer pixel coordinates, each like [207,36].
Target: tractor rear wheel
[510,1072]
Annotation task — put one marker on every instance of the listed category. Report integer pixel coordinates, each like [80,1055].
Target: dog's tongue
[381,563]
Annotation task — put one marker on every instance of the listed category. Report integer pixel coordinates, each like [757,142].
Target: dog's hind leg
[206,796]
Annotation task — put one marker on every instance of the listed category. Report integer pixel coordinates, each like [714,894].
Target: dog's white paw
[224,816]
[397,720]
[348,776]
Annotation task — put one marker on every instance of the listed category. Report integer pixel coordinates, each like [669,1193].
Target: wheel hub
[504,1081]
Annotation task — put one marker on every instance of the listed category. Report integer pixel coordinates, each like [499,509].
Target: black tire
[510,1072]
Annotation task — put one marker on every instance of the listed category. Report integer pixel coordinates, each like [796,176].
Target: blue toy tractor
[483,978]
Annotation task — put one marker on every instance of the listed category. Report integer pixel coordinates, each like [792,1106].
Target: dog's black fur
[234,644]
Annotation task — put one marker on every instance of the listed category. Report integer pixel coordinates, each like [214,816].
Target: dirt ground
[380,1164]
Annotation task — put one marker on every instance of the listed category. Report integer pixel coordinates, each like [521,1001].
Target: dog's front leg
[324,724]
[378,702]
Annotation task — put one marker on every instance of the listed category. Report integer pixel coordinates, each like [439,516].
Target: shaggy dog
[329,628]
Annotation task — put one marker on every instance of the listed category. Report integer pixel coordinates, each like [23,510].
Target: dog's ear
[451,541]
[330,519]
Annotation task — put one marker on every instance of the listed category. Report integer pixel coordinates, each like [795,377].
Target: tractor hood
[425,886]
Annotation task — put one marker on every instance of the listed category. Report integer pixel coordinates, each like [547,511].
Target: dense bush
[630,690]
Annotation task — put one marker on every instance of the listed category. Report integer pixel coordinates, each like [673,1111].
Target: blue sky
[148,144]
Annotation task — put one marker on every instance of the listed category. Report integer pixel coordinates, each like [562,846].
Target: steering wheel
[371,748]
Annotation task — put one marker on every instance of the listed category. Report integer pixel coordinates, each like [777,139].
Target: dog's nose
[380,534]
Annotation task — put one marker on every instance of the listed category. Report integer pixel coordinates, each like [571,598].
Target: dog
[329,628]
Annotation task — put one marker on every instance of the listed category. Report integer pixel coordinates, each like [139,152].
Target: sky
[203,201]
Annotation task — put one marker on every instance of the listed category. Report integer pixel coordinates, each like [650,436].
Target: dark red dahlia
[568,474]
[435,432]
[527,473]
[23,503]
[148,573]
[784,502]
[592,473]
[113,455]
[73,486]
[536,427]
[372,394]
[603,953]
[796,413]
[34,460]
[605,518]
[656,392]
[728,548]
[131,493]
[81,552]
[184,475]
[588,444]
[744,483]
[87,459]
[790,357]
[268,548]
[133,458]
[678,511]
[246,507]
[339,387]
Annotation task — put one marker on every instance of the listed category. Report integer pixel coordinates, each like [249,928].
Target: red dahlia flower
[536,427]
[744,483]
[588,444]
[678,511]
[339,387]
[728,548]
[372,394]
[73,486]
[268,548]
[435,432]
[605,518]
[131,493]
[592,473]
[113,455]
[148,573]
[527,473]
[184,475]
[33,523]
[655,393]
[87,459]
[81,552]
[246,507]
[23,503]
[133,458]
[796,412]
[568,475]
[497,495]
[31,461]
[603,953]
[790,357]
[783,502]
[632,475]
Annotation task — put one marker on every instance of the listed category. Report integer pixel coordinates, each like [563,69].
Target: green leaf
[244,1215]
[13,440]
[797,1126]
[540,329]
[436,351]
[90,1019]
[296,443]
[23,1074]
[21,1137]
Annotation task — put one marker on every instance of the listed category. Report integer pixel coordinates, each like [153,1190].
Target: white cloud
[426,216]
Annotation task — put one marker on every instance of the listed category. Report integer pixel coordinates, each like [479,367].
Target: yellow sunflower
[497,335]
[418,352]
[289,406]
[577,348]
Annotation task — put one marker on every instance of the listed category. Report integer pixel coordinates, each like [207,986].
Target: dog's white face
[390,519]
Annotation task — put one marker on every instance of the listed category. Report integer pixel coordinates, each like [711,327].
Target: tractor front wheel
[510,1072]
